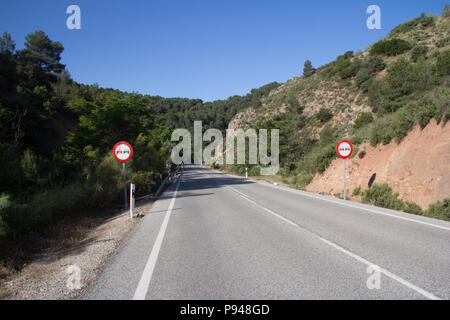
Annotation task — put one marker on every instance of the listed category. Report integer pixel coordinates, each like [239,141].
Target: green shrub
[413,208]
[303,179]
[363,119]
[144,181]
[319,158]
[405,27]
[446,11]
[350,69]
[378,91]
[443,63]
[356,191]
[425,114]
[442,42]
[363,79]
[390,47]
[381,195]
[381,131]
[439,210]
[403,122]
[389,127]
[254,171]
[423,20]
[418,52]
[426,21]
[324,114]
[375,64]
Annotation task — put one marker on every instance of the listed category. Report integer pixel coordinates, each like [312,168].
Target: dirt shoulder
[54,275]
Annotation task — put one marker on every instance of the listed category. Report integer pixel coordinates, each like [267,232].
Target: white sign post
[132,197]
[344,150]
[246,173]
[123,152]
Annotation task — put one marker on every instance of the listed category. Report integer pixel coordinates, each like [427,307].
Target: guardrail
[167,180]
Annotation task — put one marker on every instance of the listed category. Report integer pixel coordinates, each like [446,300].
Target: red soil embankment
[418,168]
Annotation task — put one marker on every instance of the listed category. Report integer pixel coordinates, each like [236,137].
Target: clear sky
[204,49]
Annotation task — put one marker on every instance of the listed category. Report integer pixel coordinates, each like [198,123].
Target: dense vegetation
[57,136]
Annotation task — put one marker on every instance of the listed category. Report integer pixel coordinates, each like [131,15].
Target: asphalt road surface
[217,236]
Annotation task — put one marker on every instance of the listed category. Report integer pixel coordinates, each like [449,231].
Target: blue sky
[203,49]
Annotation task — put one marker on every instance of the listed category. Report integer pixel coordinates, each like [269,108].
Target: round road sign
[122,151]
[344,149]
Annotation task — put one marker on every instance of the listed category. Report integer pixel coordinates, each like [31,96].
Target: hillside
[374,98]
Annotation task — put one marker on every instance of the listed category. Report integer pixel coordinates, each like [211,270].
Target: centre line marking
[386,272]
[144,282]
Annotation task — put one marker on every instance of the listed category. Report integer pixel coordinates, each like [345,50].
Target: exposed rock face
[418,168]
[241,118]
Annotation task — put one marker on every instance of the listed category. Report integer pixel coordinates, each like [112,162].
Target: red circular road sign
[122,151]
[344,149]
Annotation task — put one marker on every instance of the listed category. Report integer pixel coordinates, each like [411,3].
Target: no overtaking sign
[344,150]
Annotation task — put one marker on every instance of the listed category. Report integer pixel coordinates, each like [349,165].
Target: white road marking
[262,207]
[298,192]
[386,272]
[144,282]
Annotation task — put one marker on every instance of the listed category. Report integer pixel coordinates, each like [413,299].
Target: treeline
[181,113]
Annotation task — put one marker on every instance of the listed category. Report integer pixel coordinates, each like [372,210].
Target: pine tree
[308,69]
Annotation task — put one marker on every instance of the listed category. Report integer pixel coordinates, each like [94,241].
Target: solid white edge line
[346,204]
[386,272]
[146,277]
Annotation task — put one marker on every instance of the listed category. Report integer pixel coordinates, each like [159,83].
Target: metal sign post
[246,173]
[123,152]
[345,189]
[125,185]
[344,150]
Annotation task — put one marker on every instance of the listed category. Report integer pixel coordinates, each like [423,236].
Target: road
[217,236]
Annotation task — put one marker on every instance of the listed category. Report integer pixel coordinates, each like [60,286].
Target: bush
[439,210]
[391,47]
[254,171]
[303,179]
[351,69]
[387,128]
[446,11]
[144,181]
[356,191]
[413,208]
[381,195]
[324,114]
[443,63]
[363,79]
[375,64]
[377,92]
[363,119]
[425,114]
[418,52]
[319,158]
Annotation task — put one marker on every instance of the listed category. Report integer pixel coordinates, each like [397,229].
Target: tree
[446,11]
[7,43]
[40,50]
[308,69]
